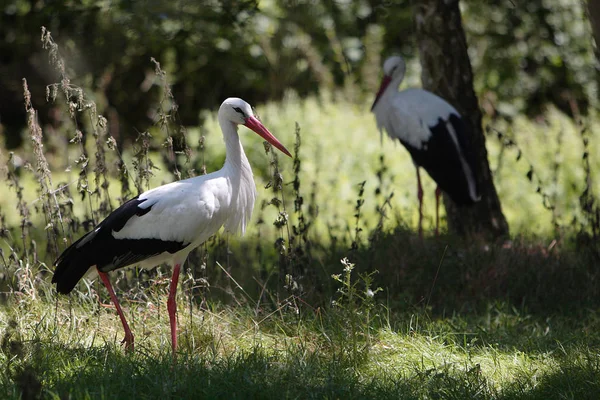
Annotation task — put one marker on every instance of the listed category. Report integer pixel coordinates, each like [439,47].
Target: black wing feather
[100,248]
[438,156]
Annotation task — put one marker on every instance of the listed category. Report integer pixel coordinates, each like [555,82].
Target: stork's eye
[239,111]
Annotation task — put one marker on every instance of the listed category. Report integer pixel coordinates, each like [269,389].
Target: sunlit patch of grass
[552,149]
[233,352]
[341,148]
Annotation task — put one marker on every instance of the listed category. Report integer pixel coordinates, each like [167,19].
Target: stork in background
[434,134]
[164,224]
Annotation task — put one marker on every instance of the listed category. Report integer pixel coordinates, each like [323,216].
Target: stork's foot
[128,342]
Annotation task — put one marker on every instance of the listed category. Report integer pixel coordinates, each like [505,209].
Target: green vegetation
[354,350]
[525,54]
[240,353]
[330,294]
[451,322]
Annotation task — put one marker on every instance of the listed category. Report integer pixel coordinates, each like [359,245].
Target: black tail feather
[100,248]
[71,266]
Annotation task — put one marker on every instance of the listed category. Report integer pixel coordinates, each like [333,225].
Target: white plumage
[211,201]
[432,131]
[164,224]
[409,115]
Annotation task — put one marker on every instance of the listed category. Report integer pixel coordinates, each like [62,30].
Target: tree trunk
[593,7]
[446,71]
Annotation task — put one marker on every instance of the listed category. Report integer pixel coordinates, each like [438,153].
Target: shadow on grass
[443,275]
[575,378]
[51,370]
[446,275]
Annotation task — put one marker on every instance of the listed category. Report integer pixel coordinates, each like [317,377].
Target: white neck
[239,173]
[395,83]
[235,157]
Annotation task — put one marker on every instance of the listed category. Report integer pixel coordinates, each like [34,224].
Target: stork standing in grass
[434,134]
[165,224]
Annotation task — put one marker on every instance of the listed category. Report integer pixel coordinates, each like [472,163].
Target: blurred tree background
[525,55]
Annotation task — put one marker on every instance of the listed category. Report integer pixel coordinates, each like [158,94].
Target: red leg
[172,306]
[420,197]
[438,193]
[128,340]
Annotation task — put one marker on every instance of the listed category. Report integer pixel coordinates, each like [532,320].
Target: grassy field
[244,352]
[341,148]
[438,318]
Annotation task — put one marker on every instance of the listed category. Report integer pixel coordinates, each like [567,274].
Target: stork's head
[394,67]
[239,112]
[393,71]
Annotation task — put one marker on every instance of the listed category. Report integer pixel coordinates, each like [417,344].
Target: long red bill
[258,127]
[384,84]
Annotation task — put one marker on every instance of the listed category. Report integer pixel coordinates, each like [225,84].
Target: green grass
[441,328]
[238,353]
[341,148]
[453,320]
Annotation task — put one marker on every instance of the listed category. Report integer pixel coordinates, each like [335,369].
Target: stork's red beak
[384,84]
[258,127]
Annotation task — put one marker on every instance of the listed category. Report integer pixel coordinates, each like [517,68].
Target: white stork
[434,134]
[165,224]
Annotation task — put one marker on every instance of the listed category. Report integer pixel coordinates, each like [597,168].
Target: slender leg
[128,340]
[438,193]
[172,306]
[420,197]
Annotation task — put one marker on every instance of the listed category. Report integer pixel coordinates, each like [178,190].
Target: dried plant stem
[168,115]
[43,174]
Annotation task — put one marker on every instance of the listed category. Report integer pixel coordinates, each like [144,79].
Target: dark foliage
[214,49]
